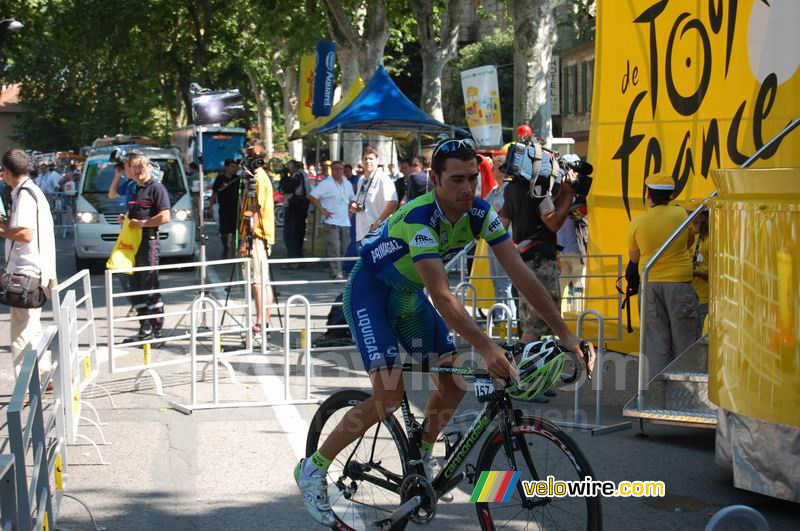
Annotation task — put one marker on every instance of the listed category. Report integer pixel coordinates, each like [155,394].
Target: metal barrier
[37,505]
[598,428]
[465,277]
[63,211]
[8,493]
[509,321]
[148,366]
[217,359]
[79,368]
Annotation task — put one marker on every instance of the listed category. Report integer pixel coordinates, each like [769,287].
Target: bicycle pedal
[471,473]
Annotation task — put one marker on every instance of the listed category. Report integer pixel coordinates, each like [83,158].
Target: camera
[357,206]
[253,159]
[582,168]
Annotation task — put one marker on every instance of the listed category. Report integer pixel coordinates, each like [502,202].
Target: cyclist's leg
[424,334]
[366,304]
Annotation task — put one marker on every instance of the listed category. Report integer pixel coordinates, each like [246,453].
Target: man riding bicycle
[384,305]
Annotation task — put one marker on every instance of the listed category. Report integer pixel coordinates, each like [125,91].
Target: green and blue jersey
[420,230]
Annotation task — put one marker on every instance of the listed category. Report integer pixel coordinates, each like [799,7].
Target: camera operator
[148,209]
[536,215]
[257,230]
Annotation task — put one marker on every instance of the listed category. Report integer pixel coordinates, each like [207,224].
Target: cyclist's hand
[498,365]
[574,344]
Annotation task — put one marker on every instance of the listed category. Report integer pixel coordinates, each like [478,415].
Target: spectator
[376,197]
[225,193]
[419,181]
[332,198]
[700,263]
[148,209]
[295,186]
[350,176]
[486,183]
[393,173]
[30,249]
[500,281]
[672,313]
[573,238]
[535,221]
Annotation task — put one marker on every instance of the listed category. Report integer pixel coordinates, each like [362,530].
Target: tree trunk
[432,87]
[264,110]
[437,47]
[351,142]
[534,39]
[289,90]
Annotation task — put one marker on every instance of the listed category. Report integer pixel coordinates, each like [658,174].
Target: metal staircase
[679,394]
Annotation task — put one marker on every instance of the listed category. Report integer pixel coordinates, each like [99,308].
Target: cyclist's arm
[433,275]
[534,292]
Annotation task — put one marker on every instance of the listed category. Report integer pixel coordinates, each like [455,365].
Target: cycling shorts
[380,317]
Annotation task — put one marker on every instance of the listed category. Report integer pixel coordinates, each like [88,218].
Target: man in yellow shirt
[257,236]
[671,322]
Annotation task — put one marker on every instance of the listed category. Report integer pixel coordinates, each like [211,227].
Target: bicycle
[389,465]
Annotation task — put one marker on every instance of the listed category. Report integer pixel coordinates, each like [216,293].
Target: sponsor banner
[323,78]
[683,88]
[555,85]
[307,63]
[482,105]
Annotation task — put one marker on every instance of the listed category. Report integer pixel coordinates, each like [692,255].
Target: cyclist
[384,305]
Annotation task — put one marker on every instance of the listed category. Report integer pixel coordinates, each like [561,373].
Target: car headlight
[87,217]
[182,214]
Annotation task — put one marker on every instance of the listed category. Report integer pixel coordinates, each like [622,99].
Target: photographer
[536,213]
[295,187]
[148,209]
[257,231]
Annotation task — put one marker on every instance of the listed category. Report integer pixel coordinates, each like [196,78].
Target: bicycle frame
[447,479]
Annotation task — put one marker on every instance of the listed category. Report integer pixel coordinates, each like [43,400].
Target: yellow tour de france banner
[682,88]
[308,65]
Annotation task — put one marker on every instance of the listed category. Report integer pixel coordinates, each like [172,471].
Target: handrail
[646,269]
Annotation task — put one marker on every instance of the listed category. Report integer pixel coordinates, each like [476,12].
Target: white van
[96,226]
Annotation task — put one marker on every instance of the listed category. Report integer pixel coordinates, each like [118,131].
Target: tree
[360,34]
[534,39]
[437,46]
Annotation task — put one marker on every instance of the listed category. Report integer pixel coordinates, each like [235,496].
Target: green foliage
[89,68]
[496,49]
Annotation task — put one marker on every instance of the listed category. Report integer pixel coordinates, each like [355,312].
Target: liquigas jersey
[420,230]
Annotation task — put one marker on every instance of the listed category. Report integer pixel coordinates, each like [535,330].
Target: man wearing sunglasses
[386,307]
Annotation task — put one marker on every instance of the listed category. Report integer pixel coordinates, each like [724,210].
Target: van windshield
[100,173]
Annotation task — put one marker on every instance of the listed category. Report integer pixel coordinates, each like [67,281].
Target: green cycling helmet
[539,369]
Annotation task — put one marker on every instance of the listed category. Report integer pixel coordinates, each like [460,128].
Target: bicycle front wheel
[364,479]
[537,449]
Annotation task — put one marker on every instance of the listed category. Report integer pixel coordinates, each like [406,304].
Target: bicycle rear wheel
[538,449]
[364,479]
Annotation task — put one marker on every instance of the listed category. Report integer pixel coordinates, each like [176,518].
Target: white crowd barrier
[37,440]
[78,366]
[241,323]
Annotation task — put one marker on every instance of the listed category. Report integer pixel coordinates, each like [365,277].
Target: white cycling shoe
[314,487]
[432,469]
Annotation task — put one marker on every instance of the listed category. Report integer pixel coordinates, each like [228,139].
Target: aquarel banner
[482,105]
[323,78]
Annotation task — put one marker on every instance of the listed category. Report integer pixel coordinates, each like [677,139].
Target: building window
[565,101]
[589,84]
[573,88]
[583,84]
